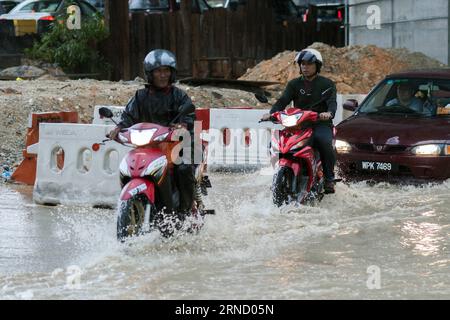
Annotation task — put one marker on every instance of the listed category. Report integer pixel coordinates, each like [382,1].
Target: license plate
[377,166]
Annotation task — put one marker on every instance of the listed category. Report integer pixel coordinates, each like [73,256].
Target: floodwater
[364,242]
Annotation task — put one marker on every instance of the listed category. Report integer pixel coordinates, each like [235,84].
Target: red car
[401,131]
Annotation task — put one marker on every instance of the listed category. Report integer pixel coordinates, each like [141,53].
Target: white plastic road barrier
[236,139]
[70,172]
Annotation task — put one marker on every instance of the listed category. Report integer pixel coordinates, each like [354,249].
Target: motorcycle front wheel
[280,186]
[130,219]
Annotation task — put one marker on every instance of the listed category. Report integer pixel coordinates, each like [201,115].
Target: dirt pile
[355,69]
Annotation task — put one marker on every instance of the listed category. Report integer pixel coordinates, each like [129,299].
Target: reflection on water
[248,250]
[425,238]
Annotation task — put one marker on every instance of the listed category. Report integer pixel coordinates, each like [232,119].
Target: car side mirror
[350,105]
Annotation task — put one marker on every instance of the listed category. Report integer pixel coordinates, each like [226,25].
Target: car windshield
[419,97]
[6,6]
[37,6]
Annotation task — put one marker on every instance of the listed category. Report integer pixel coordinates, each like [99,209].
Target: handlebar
[271,119]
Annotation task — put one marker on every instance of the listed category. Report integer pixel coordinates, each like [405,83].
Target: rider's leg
[323,141]
[185,178]
[165,193]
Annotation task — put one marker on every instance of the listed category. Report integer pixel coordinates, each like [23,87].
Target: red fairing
[308,154]
[308,115]
[295,166]
[289,139]
[139,159]
[138,186]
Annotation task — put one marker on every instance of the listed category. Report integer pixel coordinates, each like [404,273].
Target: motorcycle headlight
[427,150]
[141,137]
[343,146]
[290,121]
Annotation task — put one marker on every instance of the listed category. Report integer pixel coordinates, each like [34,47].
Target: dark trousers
[323,141]
[185,180]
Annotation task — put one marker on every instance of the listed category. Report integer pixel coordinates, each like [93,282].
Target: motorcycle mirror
[186,109]
[105,112]
[261,98]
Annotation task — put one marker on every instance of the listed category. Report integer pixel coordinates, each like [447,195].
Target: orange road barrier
[26,171]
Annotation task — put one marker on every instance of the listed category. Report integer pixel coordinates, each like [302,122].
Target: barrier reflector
[26,171]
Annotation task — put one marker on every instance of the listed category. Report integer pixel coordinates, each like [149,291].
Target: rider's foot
[329,187]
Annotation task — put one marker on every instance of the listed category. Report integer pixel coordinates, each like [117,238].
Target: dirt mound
[355,69]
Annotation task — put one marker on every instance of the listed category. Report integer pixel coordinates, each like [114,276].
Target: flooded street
[364,242]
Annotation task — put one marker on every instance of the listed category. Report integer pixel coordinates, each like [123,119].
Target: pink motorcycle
[144,173]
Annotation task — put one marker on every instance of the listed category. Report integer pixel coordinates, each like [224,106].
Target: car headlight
[427,150]
[141,137]
[342,146]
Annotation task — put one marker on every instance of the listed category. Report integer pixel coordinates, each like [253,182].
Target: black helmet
[160,58]
[310,55]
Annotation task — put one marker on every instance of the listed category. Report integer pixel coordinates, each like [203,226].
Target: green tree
[75,51]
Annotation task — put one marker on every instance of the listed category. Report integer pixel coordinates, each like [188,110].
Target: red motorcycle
[299,176]
[143,174]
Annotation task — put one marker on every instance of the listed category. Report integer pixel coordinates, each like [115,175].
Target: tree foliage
[75,51]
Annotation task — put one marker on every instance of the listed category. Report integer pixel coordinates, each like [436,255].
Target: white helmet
[310,55]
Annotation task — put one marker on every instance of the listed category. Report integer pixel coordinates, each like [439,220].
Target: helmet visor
[307,56]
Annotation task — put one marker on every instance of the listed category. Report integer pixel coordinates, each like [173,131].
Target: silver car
[34,16]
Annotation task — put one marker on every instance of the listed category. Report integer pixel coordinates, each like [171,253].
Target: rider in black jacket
[160,102]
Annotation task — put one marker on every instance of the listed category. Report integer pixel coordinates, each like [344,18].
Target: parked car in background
[233,4]
[216,3]
[283,9]
[386,140]
[98,4]
[326,12]
[35,16]
[155,6]
[7,5]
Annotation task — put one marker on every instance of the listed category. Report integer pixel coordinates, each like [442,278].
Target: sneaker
[329,187]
